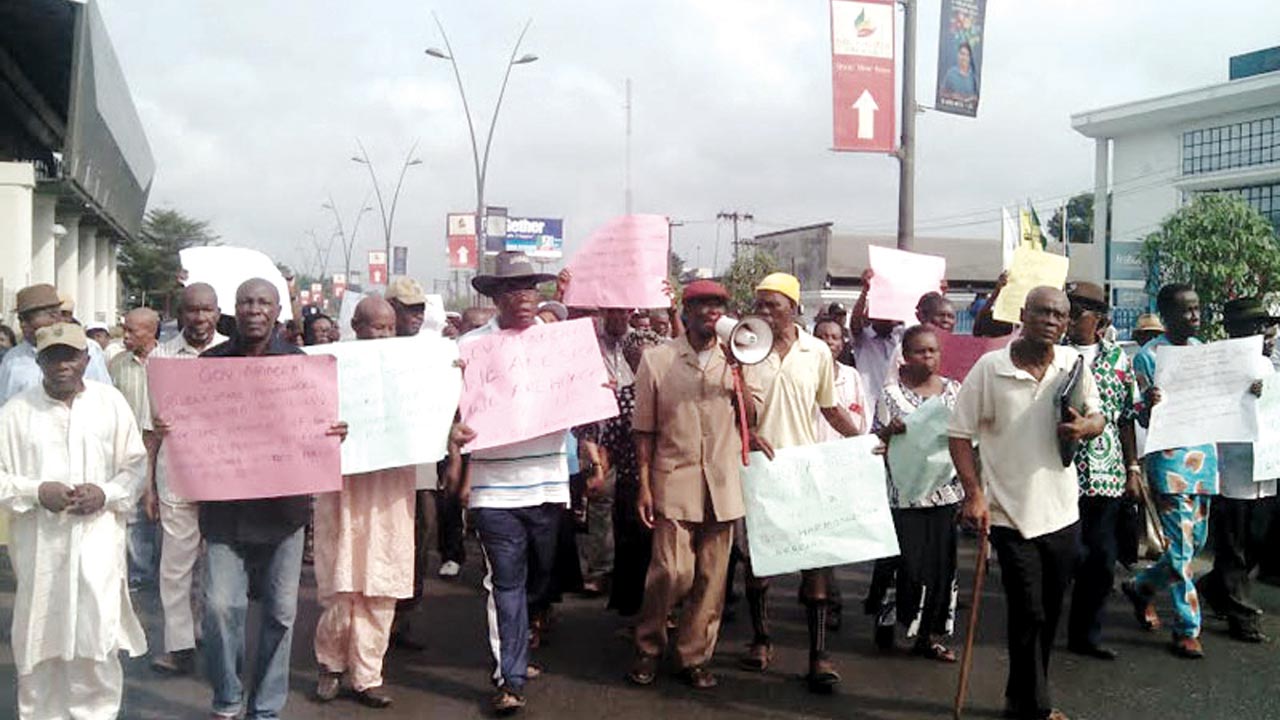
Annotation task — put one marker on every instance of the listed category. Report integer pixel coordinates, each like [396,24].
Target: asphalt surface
[585,660]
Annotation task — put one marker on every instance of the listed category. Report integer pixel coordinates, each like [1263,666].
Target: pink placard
[622,265]
[519,385]
[900,279]
[960,352]
[243,428]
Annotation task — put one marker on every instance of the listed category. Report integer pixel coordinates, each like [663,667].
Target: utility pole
[735,216]
[907,150]
[628,146]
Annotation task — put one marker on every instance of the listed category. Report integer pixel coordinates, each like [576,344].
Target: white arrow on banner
[462,255]
[866,107]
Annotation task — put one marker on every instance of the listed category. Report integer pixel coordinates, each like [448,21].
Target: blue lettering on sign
[539,237]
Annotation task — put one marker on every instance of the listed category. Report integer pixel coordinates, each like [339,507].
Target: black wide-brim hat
[1249,309]
[511,265]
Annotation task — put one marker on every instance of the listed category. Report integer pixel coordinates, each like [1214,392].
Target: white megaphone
[749,339]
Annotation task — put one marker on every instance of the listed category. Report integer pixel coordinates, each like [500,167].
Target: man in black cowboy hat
[1236,517]
[516,494]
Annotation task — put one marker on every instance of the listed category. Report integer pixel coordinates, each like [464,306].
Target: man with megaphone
[688,453]
[795,381]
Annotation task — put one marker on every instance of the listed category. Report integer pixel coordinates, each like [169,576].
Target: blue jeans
[272,573]
[143,551]
[512,540]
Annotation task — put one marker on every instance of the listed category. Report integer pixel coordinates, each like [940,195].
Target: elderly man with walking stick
[1026,500]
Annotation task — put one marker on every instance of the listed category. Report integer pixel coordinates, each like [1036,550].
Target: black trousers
[1239,530]
[449,520]
[1035,573]
[419,553]
[1096,573]
[926,568]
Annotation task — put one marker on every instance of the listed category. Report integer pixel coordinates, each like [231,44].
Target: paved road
[585,661]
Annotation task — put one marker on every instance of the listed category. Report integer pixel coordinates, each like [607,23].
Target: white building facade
[1154,155]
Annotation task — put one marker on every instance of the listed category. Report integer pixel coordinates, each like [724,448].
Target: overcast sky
[252,110]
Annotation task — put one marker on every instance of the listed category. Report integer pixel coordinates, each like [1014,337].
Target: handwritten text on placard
[622,265]
[244,428]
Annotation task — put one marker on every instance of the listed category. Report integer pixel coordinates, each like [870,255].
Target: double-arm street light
[388,219]
[348,241]
[481,163]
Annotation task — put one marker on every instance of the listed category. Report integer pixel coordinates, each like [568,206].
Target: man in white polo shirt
[517,494]
[1026,497]
[179,519]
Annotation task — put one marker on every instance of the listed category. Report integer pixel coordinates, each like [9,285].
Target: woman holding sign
[925,495]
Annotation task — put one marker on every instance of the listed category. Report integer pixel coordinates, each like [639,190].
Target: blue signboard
[536,237]
[1127,303]
[1125,261]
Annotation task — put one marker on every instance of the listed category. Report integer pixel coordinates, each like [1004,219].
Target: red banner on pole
[862,75]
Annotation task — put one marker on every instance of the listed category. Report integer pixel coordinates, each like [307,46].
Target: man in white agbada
[72,464]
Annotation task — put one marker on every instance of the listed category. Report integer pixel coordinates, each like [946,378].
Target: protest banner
[225,268]
[817,506]
[522,384]
[901,278]
[920,458]
[622,265]
[1031,268]
[961,352]
[398,397]
[1266,449]
[1205,394]
[243,428]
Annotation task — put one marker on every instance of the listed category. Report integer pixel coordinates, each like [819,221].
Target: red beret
[704,289]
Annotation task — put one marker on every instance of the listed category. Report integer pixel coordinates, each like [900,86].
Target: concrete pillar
[17,181]
[67,255]
[113,280]
[104,303]
[1100,249]
[86,302]
[44,209]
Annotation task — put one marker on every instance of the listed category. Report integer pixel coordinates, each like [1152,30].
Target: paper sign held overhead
[225,268]
[244,428]
[622,265]
[520,385]
[901,278]
[1031,269]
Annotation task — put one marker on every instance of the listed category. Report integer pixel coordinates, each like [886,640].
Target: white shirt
[523,474]
[19,371]
[877,359]
[850,395]
[1013,419]
[175,348]
[73,597]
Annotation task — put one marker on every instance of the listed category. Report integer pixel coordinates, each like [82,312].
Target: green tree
[1079,219]
[1220,245]
[149,262]
[745,273]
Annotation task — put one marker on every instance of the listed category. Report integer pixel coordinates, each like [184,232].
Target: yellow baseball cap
[782,283]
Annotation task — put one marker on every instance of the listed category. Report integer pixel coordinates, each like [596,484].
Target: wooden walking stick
[966,662]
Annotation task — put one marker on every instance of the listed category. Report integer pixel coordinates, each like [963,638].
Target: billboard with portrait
[960,57]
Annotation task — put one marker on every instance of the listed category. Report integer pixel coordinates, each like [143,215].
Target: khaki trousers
[690,560]
[179,556]
[352,637]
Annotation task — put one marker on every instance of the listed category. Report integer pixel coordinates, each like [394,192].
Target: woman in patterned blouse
[926,569]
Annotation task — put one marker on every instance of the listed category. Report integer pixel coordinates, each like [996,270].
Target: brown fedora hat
[511,265]
[35,297]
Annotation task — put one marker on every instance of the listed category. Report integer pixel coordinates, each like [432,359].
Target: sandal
[934,651]
[757,657]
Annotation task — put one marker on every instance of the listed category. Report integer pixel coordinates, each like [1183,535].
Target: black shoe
[402,641]
[372,698]
[1097,652]
[180,662]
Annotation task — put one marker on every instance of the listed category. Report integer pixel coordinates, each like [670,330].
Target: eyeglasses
[1078,311]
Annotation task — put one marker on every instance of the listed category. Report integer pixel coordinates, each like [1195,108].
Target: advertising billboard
[862,75]
[536,237]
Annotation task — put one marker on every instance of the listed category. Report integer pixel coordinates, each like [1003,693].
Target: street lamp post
[388,219]
[348,243]
[481,164]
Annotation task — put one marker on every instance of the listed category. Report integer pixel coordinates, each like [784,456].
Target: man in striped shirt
[516,493]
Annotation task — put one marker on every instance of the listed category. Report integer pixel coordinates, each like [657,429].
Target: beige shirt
[698,446]
[792,390]
[1013,419]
